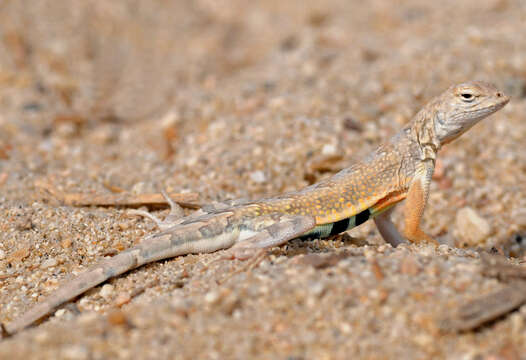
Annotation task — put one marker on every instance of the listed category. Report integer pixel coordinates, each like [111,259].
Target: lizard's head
[464,105]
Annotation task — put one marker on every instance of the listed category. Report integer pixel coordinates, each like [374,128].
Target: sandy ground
[238,99]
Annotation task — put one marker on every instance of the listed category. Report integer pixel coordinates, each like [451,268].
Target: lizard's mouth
[505,100]
[474,116]
[483,111]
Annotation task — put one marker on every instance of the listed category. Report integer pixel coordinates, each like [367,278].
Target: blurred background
[128,59]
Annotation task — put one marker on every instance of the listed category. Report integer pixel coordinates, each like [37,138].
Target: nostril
[499,94]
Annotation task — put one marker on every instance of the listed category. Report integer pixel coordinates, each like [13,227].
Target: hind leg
[286,229]
[387,229]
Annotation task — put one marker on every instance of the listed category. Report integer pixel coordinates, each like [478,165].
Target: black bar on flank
[339,226]
[362,217]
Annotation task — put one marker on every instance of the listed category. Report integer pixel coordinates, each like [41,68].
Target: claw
[176,213]
[146,214]
[254,258]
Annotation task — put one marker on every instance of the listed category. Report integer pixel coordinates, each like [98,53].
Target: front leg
[415,203]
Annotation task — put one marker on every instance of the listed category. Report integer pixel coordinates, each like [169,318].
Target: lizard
[400,169]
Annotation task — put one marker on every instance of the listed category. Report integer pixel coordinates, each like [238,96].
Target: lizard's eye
[468,97]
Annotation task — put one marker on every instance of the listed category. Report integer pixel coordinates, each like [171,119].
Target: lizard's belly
[337,227]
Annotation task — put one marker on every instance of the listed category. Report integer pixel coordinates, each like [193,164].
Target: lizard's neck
[422,131]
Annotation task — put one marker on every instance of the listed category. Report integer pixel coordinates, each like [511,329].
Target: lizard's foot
[176,213]
[418,236]
[255,256]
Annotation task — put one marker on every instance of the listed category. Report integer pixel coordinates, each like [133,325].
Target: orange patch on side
[389,201]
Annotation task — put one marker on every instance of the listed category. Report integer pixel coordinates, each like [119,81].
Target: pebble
[107,291]
[122,298]
[345,328]
[117,317]
[443,249]
[258,177]
[2,254]
[427,250]
[212,297]
[329,149]
[470,228]
[66,243]
[317,289]
[123,226]
[423,339]
[49,263]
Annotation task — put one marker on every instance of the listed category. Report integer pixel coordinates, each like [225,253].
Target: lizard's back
[381,177]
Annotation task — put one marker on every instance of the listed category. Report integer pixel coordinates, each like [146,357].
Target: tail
[206,234]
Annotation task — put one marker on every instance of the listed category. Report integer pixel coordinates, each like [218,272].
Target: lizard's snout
[503,99]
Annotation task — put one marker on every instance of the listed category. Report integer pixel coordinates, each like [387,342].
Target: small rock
[317,289]
[66,243]
[139,188]
[427,250]
[123,226]
[19,254]
[104,134]
[258,177]
[277,103]
[384,248]
[2,254]
[23,222]
[371,131]
[423,340]
[350,123]
[117,318]
[106,291]
[443,249]
[470,228]
[328,149]
[122,298]
[83,303]
[212,297]
[345,328]
[49,263]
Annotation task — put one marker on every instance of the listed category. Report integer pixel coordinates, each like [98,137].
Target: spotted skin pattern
[352,196]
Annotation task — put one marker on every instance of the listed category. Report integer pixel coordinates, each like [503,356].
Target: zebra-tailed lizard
[399,169]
